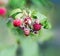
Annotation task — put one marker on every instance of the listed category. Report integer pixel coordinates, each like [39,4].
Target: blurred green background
[49,8]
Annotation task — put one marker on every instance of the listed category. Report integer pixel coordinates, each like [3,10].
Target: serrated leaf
[33,14]
[15,11]
[34,17]
[43,21]
[46,24]
[19,15]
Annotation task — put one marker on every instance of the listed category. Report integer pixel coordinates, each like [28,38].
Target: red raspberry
[27,20]
[26,32]
[3,11]
[36,27]
[17,22]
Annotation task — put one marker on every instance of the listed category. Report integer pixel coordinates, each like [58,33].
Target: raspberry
[26,32]
[27,20]
[17,22]
[36,27]
[37,21]
[3,11]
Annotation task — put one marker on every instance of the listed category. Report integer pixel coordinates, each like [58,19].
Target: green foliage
[45,23]
[33,14]
[13,4]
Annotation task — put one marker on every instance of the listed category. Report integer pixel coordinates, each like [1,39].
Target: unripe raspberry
[3,11]
[36,27]
[27,20]
[36,21]
[26,32]
[17,22]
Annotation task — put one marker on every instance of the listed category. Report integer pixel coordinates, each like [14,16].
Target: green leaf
[46,24]
[15,11]
[43,21]
[19,15]
[33,14]
[9,24]
[13,4]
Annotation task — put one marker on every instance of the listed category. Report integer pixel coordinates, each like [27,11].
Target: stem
[19,49]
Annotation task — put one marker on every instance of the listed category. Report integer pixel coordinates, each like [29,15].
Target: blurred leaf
[33,14]
[13,4]
[45,23]
[15,11]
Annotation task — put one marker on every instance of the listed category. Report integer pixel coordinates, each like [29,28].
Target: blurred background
[49,8]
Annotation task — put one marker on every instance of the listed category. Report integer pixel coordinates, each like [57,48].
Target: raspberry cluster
[26,23]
